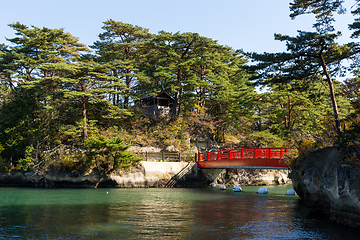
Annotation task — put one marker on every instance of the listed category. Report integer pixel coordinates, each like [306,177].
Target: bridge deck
[261,158]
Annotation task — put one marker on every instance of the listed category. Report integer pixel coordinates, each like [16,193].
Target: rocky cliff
[329,182]
[246,177]
[148,174]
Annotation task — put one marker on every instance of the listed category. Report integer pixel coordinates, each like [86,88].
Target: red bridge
[264,158]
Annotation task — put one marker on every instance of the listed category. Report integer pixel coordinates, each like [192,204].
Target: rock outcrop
[148,174]
[329,183]
[246,177]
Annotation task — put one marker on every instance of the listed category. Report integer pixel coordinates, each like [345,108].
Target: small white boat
[263,190]
[237,189]
[213,185]
[222,187]
[290,192]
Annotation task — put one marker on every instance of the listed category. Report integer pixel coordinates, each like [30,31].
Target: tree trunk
[332,94]
[288,127]
[85,132]
[127,80]
[177,107]
[126,95]
[202,89]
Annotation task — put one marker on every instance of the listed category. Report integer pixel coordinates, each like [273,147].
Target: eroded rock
[328,184]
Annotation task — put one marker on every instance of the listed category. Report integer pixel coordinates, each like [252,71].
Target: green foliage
[351,135]
[351,89]
[20,123]
[310,56]
[25,163]
[109,154]
[323,11]
[158,133]
[196,71]
[3,165]
[305,146]
[356,24]
[73,134]
[265,139]
[64,95]
[285,110]
[120,49]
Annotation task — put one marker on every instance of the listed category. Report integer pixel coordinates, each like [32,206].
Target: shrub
[25,163]
[108,155]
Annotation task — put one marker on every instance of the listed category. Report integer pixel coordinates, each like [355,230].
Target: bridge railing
[167,156]
[245,153]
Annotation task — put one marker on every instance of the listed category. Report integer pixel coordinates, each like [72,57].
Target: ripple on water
[160,214]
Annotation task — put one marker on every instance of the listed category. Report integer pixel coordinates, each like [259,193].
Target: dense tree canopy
[310,55]
[55,90]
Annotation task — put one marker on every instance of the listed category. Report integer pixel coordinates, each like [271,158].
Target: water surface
[156,213]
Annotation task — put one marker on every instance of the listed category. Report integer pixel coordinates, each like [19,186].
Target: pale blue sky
[240,24]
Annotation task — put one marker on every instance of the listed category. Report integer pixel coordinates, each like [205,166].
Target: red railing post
[258,153]
[269,153]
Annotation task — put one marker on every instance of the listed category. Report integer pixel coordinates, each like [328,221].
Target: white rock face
[244,177]
[171,149]
[146,176]
[237,189]
[263,190]
[144,149]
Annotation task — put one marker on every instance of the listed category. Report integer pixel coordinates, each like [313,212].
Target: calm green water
[153,213]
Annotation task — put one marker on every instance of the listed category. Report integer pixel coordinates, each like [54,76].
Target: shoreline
[147,175]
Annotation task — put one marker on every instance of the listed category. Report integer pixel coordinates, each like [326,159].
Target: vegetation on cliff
[67,106]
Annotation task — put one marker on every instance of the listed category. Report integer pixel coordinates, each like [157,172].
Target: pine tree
[7,67]
[84,83]
[198,72]
[36,46]
[310,54]
[119,48]
[32,51]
